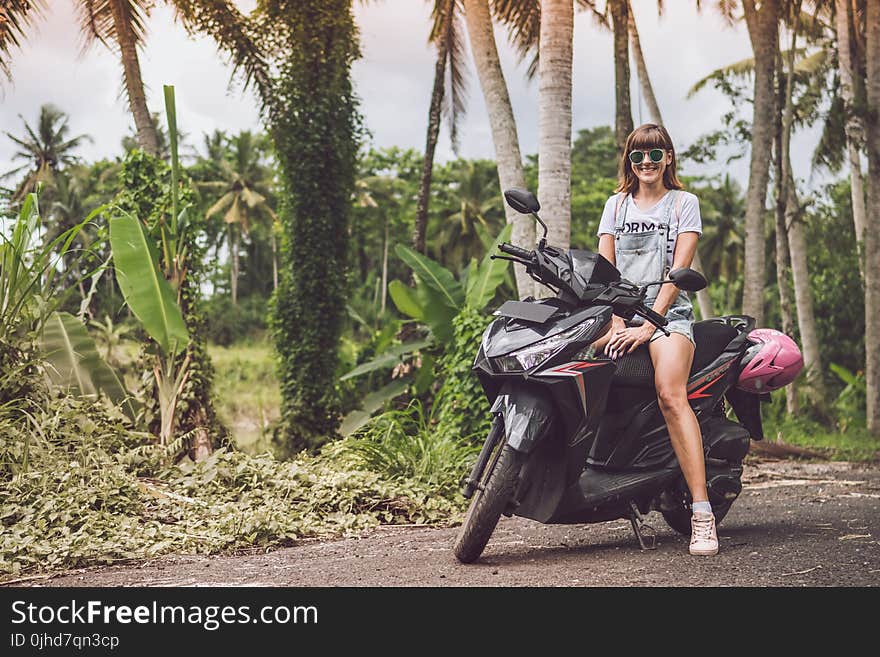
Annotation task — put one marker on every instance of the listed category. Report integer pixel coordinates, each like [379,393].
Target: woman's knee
[672,398]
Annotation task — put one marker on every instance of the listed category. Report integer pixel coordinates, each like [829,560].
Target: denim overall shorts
[641,258]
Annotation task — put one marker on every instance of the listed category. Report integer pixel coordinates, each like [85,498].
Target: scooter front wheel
[487,505]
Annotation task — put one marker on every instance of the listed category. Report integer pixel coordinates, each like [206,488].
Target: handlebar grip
[516,251]
[653,316]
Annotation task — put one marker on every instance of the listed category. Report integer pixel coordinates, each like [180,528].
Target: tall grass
[405,444]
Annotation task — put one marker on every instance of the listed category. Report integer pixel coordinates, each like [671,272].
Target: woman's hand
[624,340]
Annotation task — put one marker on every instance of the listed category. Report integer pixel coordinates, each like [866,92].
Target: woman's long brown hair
[646,137]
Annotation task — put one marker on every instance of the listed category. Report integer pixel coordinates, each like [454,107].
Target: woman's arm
[685,248]
[606,247]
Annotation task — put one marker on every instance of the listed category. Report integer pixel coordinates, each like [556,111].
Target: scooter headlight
[535,354]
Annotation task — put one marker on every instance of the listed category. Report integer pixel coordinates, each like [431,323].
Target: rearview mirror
[522,200]
[688,279]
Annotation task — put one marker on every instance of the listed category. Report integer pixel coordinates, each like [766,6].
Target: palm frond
[15,17]
[97,22]
[600,17]
[234,34]
[830,152]
[741,69]
[812,64]
[729,10]
[523,21]
[456,68]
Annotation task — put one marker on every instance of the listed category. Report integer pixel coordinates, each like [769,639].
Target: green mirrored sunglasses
[655,155]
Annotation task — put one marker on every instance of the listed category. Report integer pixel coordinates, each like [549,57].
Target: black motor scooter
[579,438]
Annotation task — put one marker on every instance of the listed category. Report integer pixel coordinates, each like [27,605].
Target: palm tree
[763,31]
[872,229]
[554,118]
[120,26]
[503,124]
[46,150]
[641,67]
[446,37]
[244,196]
[469,213]
[853,127]
[783,259]
[620,20]
[121,22]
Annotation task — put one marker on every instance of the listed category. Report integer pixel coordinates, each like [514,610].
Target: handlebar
[652,316]
[626,298]
[516,251]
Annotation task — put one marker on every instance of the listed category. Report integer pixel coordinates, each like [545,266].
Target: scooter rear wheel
[487,505]
[680,519]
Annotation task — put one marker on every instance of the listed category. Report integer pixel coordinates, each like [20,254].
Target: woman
[648,228]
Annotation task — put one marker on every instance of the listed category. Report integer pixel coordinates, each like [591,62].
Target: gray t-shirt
[638,221]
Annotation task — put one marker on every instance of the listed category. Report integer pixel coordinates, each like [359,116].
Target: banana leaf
[143,286]
[74,365]
[372,403]
[489,275]
[406,300]
[386,359]
[433,275]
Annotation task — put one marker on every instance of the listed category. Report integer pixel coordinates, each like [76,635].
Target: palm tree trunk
[233,254]
[642,70]
[554,118]
[134,85]
[782,258]
[763,32]
[418,238]
[623,123]
[803,296]
[872,227]
[503,124]
[853,126]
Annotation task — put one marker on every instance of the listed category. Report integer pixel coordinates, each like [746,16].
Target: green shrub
[406,444]
[461,407]
[96,492]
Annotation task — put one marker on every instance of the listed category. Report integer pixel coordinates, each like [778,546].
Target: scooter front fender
[527,416]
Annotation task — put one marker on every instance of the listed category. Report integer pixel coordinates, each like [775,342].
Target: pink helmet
[773,362]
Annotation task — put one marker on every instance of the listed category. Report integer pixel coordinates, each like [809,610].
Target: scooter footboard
[527,413]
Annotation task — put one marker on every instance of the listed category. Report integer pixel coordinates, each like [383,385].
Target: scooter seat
[636,370]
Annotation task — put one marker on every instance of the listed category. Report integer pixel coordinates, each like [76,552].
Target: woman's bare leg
[672,357]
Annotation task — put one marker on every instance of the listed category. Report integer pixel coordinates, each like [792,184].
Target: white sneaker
[704,540]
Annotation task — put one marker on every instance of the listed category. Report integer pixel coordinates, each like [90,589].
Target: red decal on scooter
[698,394]
[575,370]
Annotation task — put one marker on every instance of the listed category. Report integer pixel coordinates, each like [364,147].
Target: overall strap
[679,198]
[670,202]
[618,218]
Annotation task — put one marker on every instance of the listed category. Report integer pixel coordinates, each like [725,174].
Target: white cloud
[393,80]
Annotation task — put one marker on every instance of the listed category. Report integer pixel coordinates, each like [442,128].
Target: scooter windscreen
[593,267]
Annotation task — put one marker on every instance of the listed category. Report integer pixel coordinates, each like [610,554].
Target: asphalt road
[795,524]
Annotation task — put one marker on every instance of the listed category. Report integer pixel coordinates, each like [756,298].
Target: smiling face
[647,172]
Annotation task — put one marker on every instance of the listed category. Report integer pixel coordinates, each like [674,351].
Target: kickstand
[639,526]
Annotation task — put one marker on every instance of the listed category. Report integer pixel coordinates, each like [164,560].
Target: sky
[393,80]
